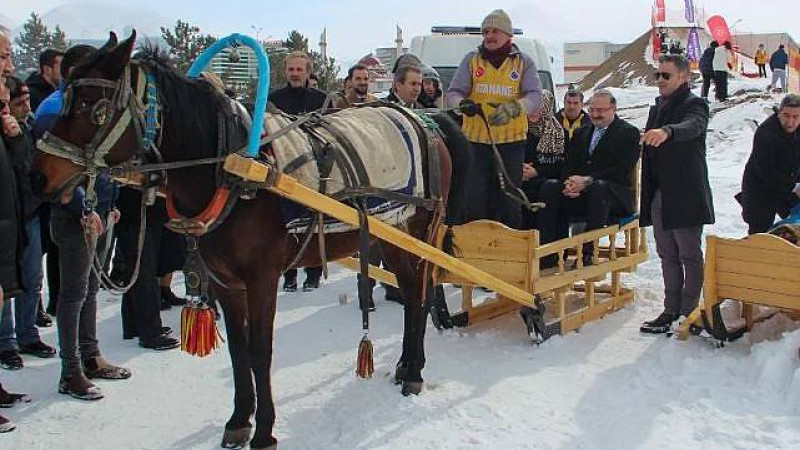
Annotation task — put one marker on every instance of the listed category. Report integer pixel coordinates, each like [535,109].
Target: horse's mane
[190,107]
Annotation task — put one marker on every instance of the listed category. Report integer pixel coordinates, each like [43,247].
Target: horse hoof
[400,373]
[411,388]
[271,447]
[236,438]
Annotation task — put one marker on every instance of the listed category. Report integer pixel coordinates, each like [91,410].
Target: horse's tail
[461,156]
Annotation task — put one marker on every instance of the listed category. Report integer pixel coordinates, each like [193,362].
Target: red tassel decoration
[365,366]
[199,332]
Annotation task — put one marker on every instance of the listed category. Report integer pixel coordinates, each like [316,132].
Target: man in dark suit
[771,181]
[297,98]
[597,177]
[676,195]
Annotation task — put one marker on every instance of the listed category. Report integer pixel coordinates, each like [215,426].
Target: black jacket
[22,154]
[298,100]
[678,167]
[779,59]
[40,89]
[707,61]
[613,160]
[773,169]
[11,226]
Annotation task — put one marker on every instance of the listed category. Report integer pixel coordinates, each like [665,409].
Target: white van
[445,47]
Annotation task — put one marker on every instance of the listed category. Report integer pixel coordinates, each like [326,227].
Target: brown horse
[249,250]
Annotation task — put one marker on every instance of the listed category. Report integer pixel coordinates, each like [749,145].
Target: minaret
[399,42]
[323,44]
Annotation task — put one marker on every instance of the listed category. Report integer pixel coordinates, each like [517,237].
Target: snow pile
[605,387]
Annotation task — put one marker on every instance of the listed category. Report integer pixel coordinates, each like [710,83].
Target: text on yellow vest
[493,85]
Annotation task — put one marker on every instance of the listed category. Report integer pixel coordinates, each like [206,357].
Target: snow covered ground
[605,387]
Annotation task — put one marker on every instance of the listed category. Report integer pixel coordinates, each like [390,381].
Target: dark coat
[772,171]
[707,61]
[613,160]
[678,167]
[779,59]
[40,89]
[298,100]
[22,154]
[11,227]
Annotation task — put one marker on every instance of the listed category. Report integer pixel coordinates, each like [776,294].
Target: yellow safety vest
[491,85]
[570,128]
[761,57]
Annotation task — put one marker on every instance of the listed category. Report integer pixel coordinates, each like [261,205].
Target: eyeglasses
[599,110]
[665,75]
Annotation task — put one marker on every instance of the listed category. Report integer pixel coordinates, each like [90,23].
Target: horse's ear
[111,43]
[121,55]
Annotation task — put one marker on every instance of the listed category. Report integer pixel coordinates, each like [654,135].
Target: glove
[504,112]
[469,108]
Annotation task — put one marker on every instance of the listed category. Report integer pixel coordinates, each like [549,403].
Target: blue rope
[151,113]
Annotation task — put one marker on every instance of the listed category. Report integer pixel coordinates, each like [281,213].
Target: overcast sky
[356,27]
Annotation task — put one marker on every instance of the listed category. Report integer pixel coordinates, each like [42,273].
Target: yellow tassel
[365,365]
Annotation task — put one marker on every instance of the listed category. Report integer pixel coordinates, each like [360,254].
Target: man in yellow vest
[504,83]
[761,61]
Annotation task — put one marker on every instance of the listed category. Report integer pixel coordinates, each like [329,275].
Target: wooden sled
[761,269]
[572,293]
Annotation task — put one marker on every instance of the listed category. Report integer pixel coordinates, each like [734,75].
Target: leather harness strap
[203,222]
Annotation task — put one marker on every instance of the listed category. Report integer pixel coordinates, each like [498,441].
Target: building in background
[581,58]
[748,42]
[236,66]
[380,78]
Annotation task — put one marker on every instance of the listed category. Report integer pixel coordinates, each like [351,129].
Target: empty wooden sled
[761,269]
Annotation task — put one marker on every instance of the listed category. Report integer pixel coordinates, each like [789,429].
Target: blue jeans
[26,306]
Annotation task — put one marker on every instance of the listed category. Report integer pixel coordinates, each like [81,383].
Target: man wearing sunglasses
[676,196]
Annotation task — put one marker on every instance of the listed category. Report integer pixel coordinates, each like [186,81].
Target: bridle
[114,114]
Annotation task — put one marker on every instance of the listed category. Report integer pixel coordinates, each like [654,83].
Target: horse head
[99,123]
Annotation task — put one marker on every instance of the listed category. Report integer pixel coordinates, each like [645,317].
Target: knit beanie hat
[500,20]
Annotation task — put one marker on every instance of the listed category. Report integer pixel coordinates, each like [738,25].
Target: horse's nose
[38,182]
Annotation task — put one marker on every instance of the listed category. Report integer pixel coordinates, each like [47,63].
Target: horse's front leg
[262,301]
[238,428]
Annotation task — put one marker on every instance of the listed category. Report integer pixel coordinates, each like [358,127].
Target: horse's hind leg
[410,279]
[262,296]
[238,428]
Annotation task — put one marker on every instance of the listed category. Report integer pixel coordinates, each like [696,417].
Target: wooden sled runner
[573,294]
[761,269]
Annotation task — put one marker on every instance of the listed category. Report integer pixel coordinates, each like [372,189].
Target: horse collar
[202,223]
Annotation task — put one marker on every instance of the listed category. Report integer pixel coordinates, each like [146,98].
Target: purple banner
[689,11]
[693,46]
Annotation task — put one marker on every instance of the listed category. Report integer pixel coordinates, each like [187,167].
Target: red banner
[661,11]
[719,29]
